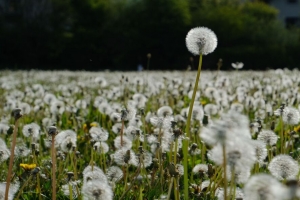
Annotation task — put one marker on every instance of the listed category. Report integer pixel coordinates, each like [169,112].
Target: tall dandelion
[199,41]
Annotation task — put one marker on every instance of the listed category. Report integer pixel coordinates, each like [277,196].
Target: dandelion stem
[23,186]
[71,191]
[232,185]
[38,177]
[187,130]
[176,192]
[132,182]
[104,162]
[72,156]
[126,177]
[53,168]
[121,132]
[188,122]
[92,159]
[175,151]
[185,165]
[38,186]
[281,136]
[170,188]
[203,152]
[11,160]
[141,193]
[225,172]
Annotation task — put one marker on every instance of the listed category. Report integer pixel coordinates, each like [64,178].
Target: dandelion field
[121,135]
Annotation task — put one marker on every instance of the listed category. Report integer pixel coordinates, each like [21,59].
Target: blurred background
[118,34]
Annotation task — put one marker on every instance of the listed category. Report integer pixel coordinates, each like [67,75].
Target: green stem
[92,159]
[121,133]
[74,165]
[141,193]
[232,185]
[175,151]
[170,188]
[188,122]
[225,172]
[176,192]
[53,168]
[71,191]
[126,177]
[104,162]
[187,130]
[203,148]
[132,182]
[37,177]
[23,186]
[185,165]
[39,185]
[281,136]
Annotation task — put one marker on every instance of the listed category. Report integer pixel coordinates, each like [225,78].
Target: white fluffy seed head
[201,40]
[95,189]
[283,167]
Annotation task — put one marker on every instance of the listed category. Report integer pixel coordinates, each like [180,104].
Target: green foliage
[100,34]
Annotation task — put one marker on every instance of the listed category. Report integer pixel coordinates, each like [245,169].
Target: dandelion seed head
[101,147]
[126,143]
[198,113]
[4,154]
[96,190]
[66,140]
[264,186]
[116,128]
[151,139]
[105,108]
[200,168]
[201,40]
[49,98]
[125,157]
[260,150]
[3,128]
[93,173]
[291,116]
[133,132]
[161,122]
[57,107]
[135,121]
[211,109]
[13,188]
[21,150]
[283,167]
[241,176]
[238,193]
[66,191]
[164,111]
[98,134]
[32,130]
[114,174]
[240,154]
[180,169]
[268,137]
[140,100]
[146,159]
[237,65]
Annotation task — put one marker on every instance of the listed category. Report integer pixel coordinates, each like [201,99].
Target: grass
[163,178]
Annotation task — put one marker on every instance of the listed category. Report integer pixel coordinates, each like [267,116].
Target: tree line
[118,34]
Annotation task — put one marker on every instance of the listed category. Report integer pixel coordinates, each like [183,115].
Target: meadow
[121,135]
